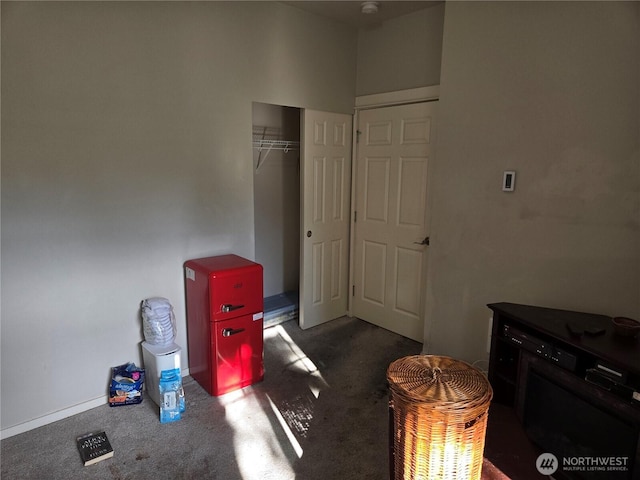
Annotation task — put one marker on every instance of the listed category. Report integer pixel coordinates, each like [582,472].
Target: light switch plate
[509,181]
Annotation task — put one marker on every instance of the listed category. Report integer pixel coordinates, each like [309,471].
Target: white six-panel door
[326,173]
[391,231]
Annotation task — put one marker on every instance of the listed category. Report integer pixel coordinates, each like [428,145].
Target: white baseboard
[59,415]
[52,417]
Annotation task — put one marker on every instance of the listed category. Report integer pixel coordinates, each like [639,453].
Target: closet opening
[276,162]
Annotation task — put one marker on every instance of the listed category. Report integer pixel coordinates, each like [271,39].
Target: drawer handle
[227,332]
[227,307]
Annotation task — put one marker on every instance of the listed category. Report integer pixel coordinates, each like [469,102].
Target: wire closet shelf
[266,139]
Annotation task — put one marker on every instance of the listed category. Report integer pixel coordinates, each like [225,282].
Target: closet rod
[285,145]
[268,145]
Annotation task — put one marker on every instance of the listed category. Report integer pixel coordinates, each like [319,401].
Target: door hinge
[353,290]
[358,132]
[355,216]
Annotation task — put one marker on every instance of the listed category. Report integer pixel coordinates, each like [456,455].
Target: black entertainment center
[575,387]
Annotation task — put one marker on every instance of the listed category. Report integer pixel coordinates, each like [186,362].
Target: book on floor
[94,447]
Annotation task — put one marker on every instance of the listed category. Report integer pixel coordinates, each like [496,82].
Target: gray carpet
[320,413]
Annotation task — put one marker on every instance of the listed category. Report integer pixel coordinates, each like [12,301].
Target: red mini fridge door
[237,350]
[236,292]
[235,285]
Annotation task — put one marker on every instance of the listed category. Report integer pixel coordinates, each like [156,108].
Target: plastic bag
[126,385]
[158,321]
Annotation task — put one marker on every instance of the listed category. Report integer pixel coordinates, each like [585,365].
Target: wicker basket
[439,407]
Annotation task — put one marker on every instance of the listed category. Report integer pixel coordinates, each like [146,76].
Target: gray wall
[401,53]
[550,90]
[126,150]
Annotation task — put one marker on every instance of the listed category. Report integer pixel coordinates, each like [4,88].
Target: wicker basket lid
[434,379]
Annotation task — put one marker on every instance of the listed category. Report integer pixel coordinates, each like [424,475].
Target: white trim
[61,414]
[53,417]
[398,97]
[352,211]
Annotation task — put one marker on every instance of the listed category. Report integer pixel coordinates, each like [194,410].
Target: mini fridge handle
[227,307]
[227,332]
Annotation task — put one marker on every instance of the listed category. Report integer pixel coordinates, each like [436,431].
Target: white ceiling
[349,12]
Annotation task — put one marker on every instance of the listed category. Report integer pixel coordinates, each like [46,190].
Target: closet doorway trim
[399,97]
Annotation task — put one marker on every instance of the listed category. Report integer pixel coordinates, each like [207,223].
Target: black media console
[574,384]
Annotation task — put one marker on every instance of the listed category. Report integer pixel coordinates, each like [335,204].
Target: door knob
[423,242]
[309,233]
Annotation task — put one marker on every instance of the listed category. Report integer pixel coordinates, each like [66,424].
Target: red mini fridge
[224,322]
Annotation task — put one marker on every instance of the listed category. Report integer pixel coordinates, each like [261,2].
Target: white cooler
[157,358]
